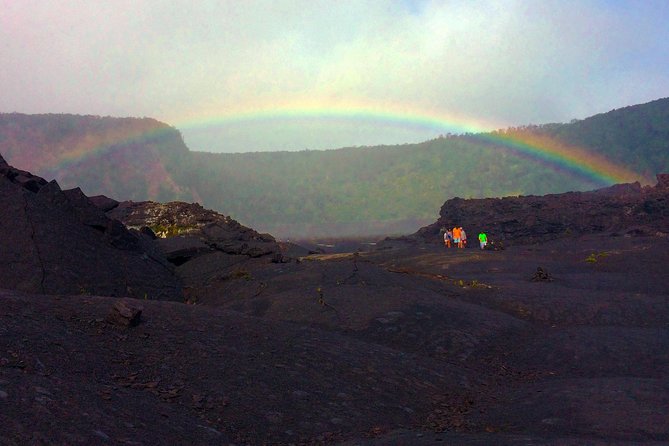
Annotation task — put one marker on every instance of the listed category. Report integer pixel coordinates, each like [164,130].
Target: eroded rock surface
[622,208]
[54,241]
[188,229]
[417,345]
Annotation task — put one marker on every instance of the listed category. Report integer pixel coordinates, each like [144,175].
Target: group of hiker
[457,237]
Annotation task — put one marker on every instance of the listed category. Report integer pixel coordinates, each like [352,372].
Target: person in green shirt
[483,240]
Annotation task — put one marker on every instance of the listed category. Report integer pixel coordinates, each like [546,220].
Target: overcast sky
[225,72]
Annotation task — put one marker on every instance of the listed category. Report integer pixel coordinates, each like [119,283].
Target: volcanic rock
[21,177]
[532,219]
[541,275]
[186,230]
[125,313]
[662,181]
[449,346]
[148,232]
[58,242]
[104,203]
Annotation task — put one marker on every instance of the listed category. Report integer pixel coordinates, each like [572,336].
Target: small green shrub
[594,257]
[167,231]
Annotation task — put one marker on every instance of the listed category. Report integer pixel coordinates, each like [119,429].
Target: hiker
[483,239]
[444,232]
[448,238]
[456,236]
[463,238]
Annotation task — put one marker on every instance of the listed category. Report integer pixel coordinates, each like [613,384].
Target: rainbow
[550,152]
[547,151]
[560,156]
[77,149]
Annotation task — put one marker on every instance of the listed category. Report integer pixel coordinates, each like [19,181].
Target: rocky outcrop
[57,242]
[663,181]
[187,230]
[104,203]
[619,209]
[125,313]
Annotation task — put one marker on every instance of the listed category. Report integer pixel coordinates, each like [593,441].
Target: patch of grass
[147,297]
[476,284]
[241,274]
[594,257]
[167,231]
[470,284]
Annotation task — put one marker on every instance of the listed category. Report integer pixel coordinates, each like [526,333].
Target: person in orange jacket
[456,237]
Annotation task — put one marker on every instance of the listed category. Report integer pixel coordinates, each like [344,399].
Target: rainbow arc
[545,150]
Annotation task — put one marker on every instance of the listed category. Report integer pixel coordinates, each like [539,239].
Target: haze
[238,76]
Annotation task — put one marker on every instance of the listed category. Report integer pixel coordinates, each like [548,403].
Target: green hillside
[370,189]
[636,136]
[127,158]
[359,190]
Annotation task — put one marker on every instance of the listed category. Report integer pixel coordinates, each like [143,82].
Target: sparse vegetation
[595,257]
[321,299]
[470,284]
[166,231]
[240,274]
[476,284]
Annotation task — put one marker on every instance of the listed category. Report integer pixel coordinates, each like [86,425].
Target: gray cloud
[503,63]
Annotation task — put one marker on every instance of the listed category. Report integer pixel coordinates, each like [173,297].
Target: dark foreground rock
[196,375]
[411,345]
[54,241]
[209,250]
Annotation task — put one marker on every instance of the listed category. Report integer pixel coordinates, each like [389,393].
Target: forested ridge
[356,190]
[118,157]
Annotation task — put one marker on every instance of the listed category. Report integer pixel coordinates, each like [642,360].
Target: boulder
[541,275]
[125,313]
